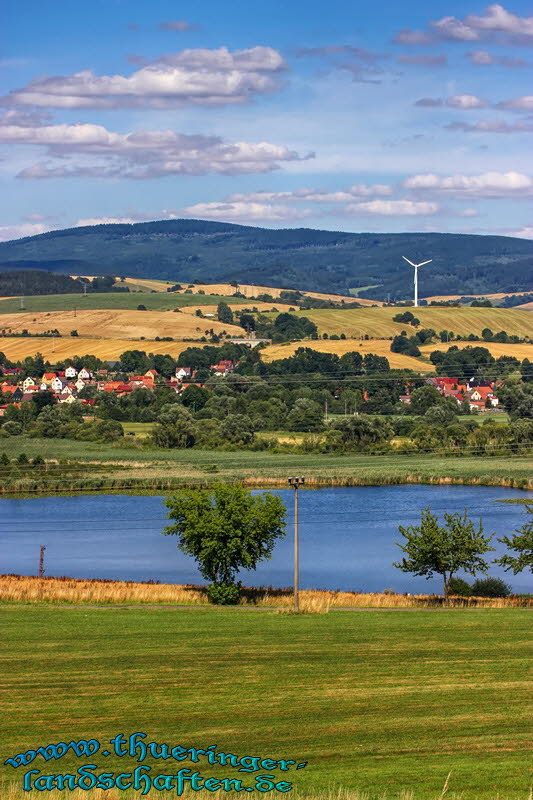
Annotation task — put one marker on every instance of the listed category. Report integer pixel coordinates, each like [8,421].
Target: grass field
[380,347]
[373,701]
[264,469]
[157,301]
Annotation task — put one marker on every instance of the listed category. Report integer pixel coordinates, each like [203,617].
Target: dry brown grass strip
[64,590]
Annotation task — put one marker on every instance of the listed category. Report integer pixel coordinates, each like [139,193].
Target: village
[67,385]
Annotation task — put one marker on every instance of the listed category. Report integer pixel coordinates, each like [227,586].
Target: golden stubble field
[378,322]
[380,347]
[252,290]
[117,323]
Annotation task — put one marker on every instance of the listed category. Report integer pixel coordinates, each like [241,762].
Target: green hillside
[312,260]
[157,301]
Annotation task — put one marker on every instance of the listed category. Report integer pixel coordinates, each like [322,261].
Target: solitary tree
[521,543]
[431,549]
[225,529]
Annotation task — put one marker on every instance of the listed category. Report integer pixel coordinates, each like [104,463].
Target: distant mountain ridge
[312,260]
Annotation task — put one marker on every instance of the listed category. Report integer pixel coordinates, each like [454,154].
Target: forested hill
[184,250]
[33,281]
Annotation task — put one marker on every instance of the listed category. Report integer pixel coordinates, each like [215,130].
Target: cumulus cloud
[245,211]
[491,126]
[177,25]
[354,192]
[495,24]
[488,184]
[517,104]
[482,58]
[464,101]
[93,151]
[522,233]
[201,76]
[8,232]
[394,208]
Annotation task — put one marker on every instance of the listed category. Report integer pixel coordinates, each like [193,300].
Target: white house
[183,372]
[27,382]
[84,374]
[79,384]
[58,384]
[70,372]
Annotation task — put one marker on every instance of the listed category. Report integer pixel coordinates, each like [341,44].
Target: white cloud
[489,184]
[466,101]
[177,25]
[8,232]
[394,208]
[482,58]
[231,211]
[522,233]
[201,76]
[518,104]
[140,154]
[491,126]
[315,195]
[495,24]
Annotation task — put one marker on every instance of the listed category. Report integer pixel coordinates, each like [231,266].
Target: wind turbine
[422,263]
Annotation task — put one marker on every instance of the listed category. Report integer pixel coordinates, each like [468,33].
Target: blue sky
[347,116]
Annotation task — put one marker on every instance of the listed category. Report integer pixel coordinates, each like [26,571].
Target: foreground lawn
[373,701]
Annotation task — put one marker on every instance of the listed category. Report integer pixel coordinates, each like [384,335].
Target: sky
[352,116]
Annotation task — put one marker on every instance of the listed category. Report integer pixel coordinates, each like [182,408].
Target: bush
[224,594]
[490,587]
[459,588]
[12,428]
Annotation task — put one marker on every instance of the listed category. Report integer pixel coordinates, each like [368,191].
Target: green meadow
[130,465]
[154,301]
[377,702]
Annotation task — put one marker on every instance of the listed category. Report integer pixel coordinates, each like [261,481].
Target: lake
[348,536]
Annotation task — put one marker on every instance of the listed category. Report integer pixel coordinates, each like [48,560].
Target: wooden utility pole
[41,561]
[295,483]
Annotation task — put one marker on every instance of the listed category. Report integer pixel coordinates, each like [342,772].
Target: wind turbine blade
[425,262]
[409,262]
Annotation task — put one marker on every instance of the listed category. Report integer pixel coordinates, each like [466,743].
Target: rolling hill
[312,260]
[378,323]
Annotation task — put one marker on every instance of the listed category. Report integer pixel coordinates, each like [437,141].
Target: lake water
[348,536]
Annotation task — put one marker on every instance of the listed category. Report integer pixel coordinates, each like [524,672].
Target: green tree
[443,550]
[306,415]
[423,398]
[175,427]
[520,543]
[225,529]
[224,313]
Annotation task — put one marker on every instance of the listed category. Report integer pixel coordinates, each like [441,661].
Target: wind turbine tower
[416,274]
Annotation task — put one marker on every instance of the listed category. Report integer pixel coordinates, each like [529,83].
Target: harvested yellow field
[57,349]
[144,284]
[378,322]
[526,307]
[238,307]
[252,290]
[496,349]
[493,296]
[116,324]
[380,347]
